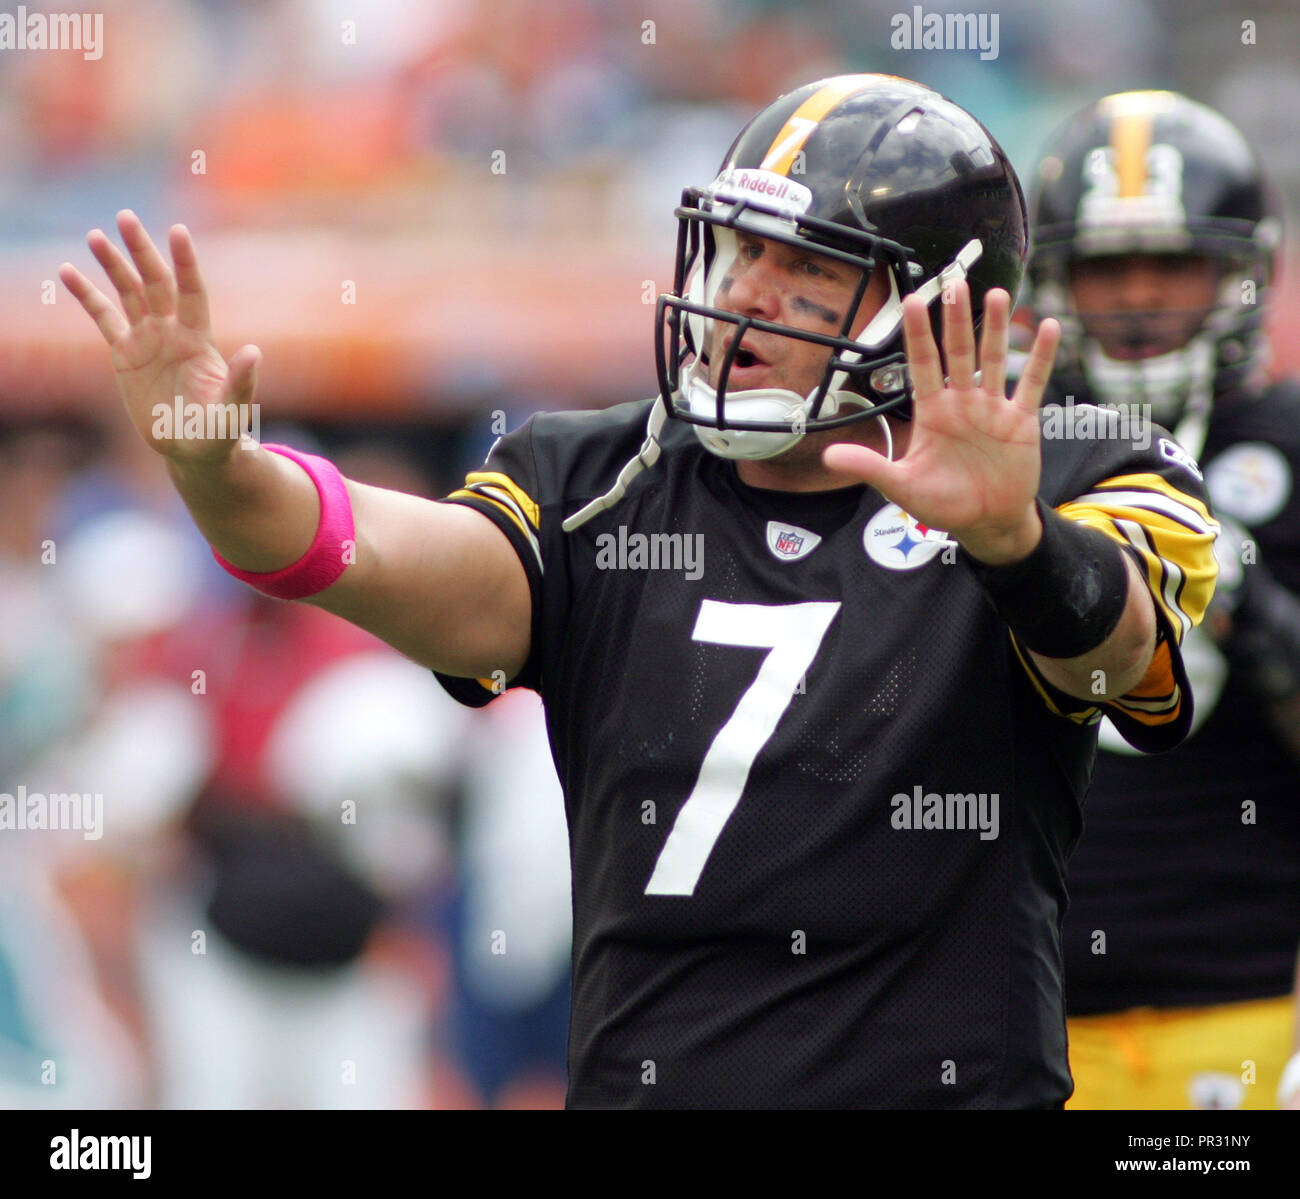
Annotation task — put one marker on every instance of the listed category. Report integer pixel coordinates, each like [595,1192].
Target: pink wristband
[329,553]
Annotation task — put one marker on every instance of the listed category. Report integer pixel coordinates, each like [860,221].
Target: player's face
[791,286]
[1141,305]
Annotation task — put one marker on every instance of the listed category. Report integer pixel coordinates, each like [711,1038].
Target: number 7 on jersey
[793,633]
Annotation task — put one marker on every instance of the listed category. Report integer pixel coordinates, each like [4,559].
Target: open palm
[161,338]
[973,462]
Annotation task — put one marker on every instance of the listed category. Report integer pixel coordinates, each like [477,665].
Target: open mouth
[747,357]
[748,367]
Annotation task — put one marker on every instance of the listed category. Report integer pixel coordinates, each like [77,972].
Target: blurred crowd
[312,879]
[487,173]
[304,112]
[320,882]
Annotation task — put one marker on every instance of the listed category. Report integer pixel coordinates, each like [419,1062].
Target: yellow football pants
[1175,1059]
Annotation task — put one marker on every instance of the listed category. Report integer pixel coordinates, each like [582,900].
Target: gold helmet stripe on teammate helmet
[1132,116]
[1130,138]
[799,127]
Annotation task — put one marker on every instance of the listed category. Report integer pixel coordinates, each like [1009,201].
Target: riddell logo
[788,543]
[744,181]
[779,192]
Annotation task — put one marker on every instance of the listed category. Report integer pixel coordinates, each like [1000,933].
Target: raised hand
[161,342]
[974,460]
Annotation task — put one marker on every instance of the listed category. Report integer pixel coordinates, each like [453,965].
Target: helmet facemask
[863,377]
[1220,345]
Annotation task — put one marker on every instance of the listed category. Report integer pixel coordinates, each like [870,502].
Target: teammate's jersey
[819,810]
[1188,874]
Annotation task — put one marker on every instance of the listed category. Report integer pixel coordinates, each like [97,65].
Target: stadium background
[456,217]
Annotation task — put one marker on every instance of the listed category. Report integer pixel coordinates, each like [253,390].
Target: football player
[1154,244]
[822,631]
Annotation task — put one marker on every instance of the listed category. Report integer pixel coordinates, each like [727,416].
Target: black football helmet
[1152,172]
[871,170]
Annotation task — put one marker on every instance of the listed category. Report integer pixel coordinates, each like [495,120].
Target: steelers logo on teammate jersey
[900,542]
[1251,481]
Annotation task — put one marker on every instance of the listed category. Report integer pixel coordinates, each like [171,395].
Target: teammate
[1154,245]
[823,713]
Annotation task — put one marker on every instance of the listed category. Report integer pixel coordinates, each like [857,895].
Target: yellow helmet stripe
[1130,138]
[799,127]
[1132,115]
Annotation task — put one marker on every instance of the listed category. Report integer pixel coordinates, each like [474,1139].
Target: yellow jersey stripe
[1160,485]
[1178,560]
[526,502]
[1149,502]
[1174,540]
[466,494]
[1104,522]
[1085,715]
[492,494]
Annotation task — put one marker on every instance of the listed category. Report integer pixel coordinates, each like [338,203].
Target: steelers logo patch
[1251,481]
[900,542]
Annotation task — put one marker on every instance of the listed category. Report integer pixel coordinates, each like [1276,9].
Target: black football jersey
[819,804]
[1185,890]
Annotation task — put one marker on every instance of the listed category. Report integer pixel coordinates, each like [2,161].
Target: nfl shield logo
[788,543]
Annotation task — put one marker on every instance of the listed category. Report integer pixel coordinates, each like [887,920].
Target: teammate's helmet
[875,171]
[1154,173]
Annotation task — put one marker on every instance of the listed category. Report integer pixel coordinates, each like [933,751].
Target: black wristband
[1067,597]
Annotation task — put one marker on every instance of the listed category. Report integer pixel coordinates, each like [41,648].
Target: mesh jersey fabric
[825,957]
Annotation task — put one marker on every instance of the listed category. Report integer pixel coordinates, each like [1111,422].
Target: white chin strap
[766,404]
[773,404]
